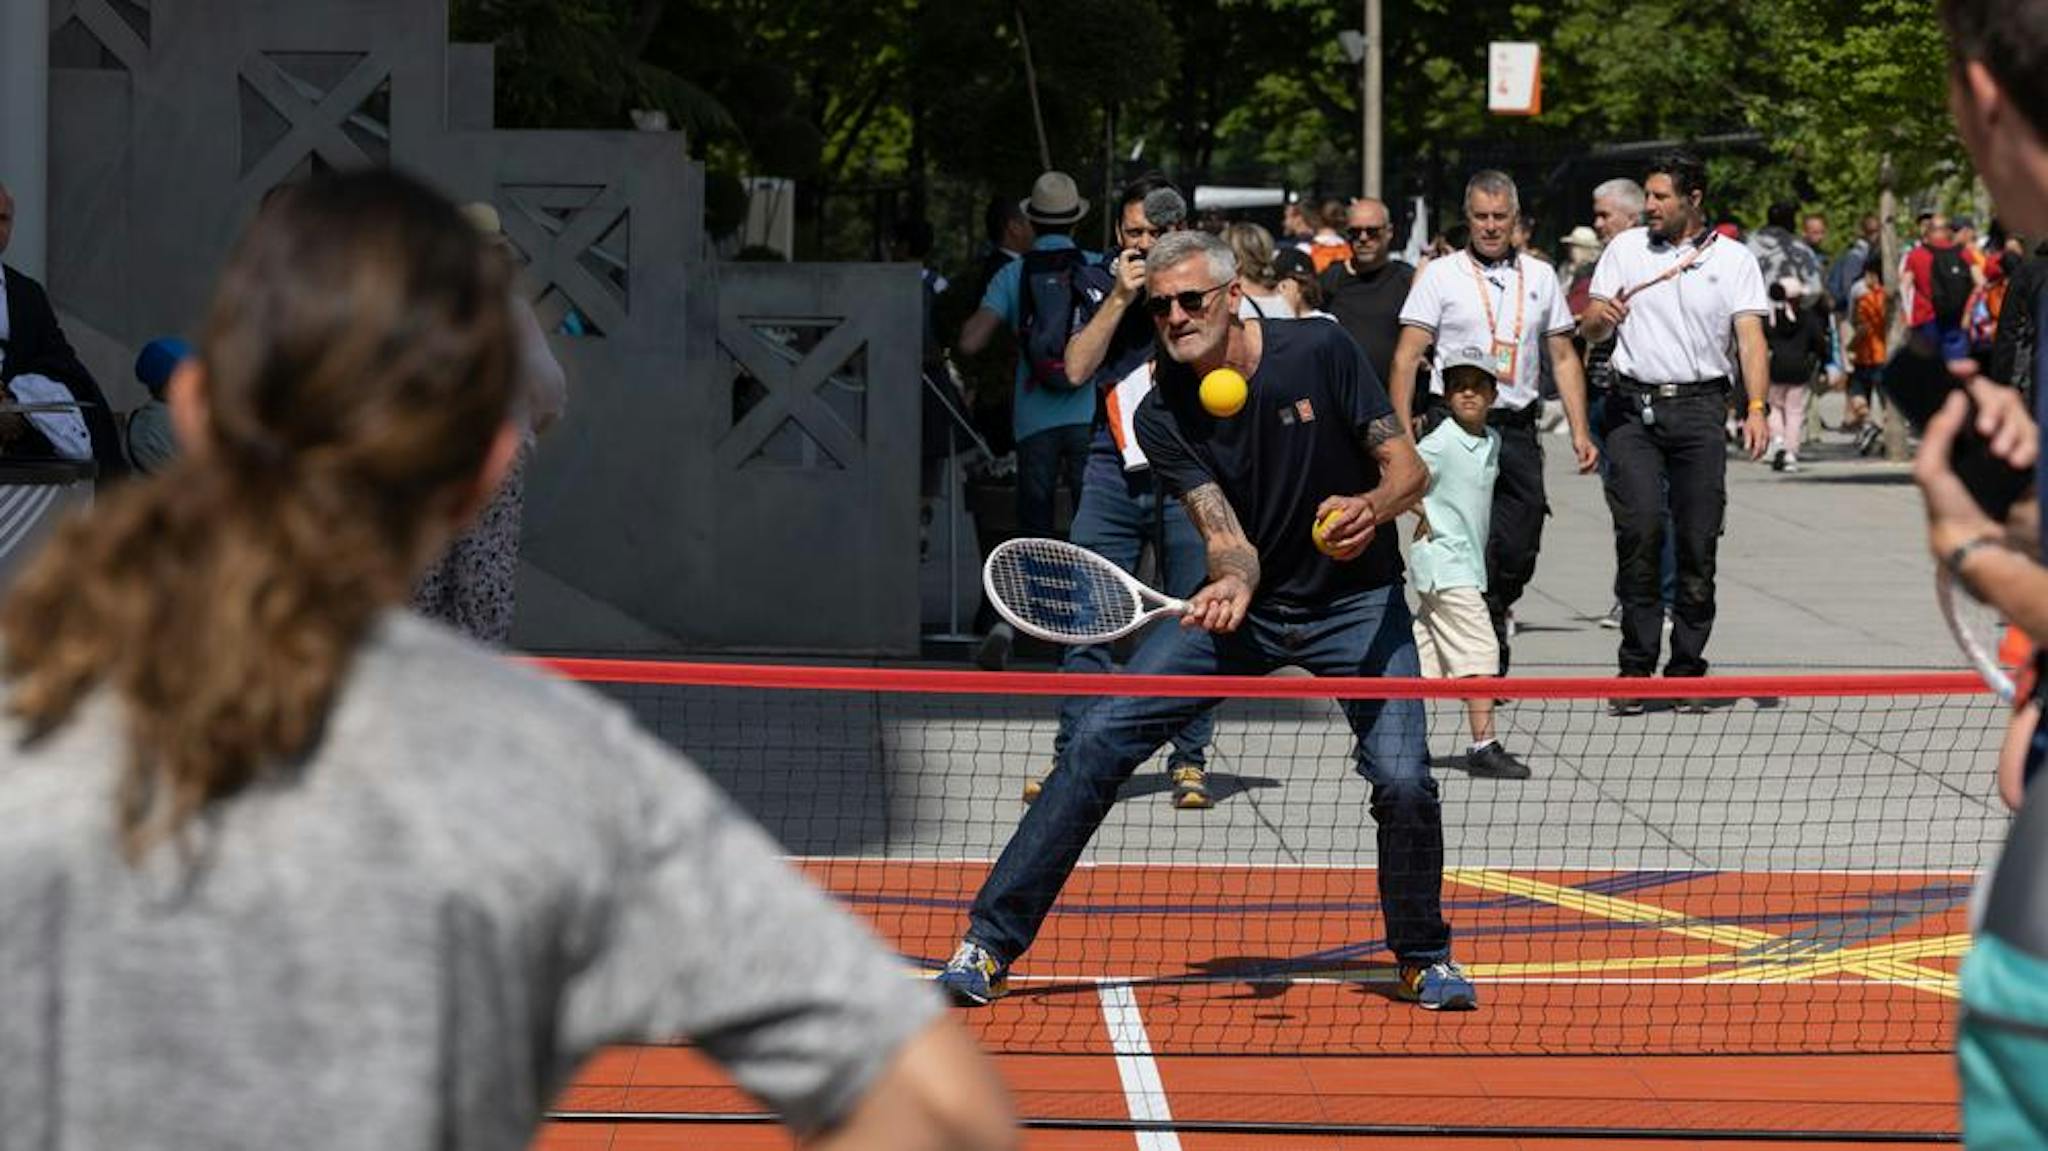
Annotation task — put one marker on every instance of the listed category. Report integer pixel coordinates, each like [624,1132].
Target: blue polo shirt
[1036,409]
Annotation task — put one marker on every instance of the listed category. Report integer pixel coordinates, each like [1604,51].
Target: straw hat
[1054,200]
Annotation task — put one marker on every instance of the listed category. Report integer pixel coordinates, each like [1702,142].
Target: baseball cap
[158,359]
[1291,261]
[1468,357]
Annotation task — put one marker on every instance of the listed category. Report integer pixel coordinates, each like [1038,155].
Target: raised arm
[1087,347]
[1221,604]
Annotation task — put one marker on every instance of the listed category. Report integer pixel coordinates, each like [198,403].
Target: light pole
[1363,49]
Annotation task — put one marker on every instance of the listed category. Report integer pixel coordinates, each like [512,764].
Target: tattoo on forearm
[1381,430]
[1230,552]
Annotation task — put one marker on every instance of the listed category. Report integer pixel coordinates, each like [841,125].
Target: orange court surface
[1618,1009]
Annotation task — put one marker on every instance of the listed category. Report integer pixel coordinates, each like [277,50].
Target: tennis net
[1788,871]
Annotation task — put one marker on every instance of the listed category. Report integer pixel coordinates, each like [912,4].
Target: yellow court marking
[1794,960]
[1888,956]
[1597,966]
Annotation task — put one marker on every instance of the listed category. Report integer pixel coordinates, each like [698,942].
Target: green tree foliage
[1868,80]
[854,98]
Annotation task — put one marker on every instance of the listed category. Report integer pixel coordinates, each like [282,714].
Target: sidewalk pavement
[1823,570]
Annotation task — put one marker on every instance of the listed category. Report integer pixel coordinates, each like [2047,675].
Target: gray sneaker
[1612,620]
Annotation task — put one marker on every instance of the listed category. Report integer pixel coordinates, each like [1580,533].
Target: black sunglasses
[1190,301]
[1368,232]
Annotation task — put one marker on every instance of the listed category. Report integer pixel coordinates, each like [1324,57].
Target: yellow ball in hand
[1320,533]
[1223,392]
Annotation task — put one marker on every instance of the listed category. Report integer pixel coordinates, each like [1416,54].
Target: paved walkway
[1826,569]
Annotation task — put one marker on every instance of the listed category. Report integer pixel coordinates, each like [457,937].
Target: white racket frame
[1141,595]
[1985,662]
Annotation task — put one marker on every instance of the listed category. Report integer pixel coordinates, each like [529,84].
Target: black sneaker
[1623,705]
[1495,762]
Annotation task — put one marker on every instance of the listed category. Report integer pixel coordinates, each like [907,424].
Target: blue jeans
[1368,634]
[1043,460]
[1117,515]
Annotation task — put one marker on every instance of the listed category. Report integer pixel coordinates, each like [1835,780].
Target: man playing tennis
[1316,442]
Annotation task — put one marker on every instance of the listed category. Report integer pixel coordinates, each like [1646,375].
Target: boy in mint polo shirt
[1453,633]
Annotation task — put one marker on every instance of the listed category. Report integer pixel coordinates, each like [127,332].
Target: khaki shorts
[1454,634]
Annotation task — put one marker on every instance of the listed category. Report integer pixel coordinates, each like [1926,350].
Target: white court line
[1144,1092]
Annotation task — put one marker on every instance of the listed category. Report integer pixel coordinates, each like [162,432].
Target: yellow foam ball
[1223,392]
[1319,533]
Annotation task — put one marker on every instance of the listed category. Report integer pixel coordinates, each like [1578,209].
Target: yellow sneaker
[1191,788]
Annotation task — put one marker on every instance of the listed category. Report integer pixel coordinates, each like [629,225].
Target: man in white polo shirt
[1493,297]
[1680,302]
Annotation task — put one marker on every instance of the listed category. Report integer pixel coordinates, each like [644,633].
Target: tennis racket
[1069,595]
[1978,631]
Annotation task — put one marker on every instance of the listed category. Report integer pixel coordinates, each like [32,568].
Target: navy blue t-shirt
[1299,439]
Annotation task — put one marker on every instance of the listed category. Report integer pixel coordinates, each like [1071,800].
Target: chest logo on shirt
[1304,411]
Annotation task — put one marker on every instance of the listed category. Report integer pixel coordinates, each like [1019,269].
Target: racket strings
[1061,589]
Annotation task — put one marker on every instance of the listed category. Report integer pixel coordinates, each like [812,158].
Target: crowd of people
[1665,338]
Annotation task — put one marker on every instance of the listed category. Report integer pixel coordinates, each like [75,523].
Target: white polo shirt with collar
[1454,296]
[1682,302]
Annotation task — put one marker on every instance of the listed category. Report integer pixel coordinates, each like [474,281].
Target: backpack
[1049,315]
[1845,270]
[1950,286]
[1980,317]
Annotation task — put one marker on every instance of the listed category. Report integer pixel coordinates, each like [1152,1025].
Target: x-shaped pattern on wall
[791,388]
[117,35]
[577,242]
[316,121]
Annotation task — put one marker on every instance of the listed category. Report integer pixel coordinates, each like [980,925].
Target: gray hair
[1494,183]
[1177,248]
[1626,194]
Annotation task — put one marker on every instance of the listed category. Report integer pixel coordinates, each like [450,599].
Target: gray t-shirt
[413,938]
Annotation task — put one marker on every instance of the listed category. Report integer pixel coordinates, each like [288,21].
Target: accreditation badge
[1506,355]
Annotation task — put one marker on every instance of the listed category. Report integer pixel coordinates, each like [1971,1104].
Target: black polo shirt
[1299,439]
[1369,307]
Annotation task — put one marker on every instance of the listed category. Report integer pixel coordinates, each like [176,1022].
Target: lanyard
[1486,301]
[1690,257]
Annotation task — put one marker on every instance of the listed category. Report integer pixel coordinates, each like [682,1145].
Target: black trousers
[1515,534]
[1684,447]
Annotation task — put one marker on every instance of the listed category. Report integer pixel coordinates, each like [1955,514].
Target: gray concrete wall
[669,513]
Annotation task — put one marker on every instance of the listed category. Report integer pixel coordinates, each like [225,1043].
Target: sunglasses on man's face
[1366,232]
[1192,302]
